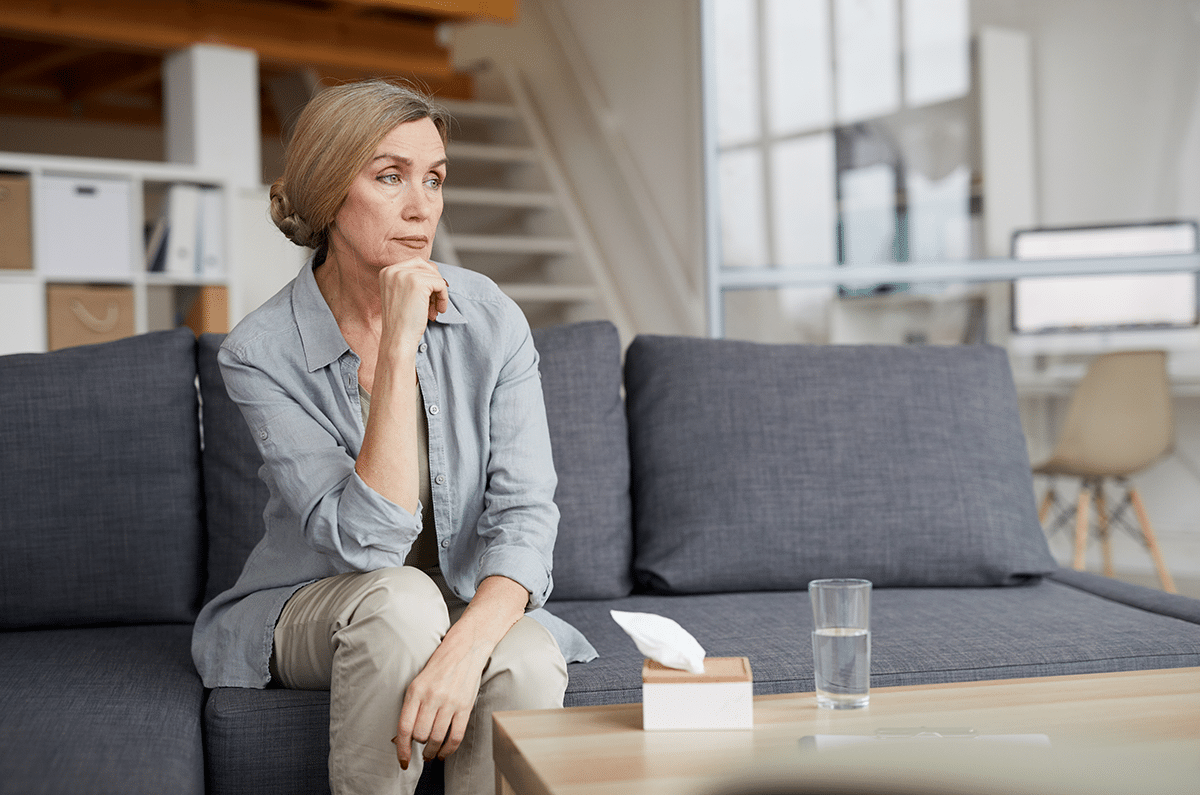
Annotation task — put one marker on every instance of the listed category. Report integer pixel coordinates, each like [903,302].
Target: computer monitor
[1063,313]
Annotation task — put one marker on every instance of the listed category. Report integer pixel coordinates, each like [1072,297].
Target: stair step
[549,293]
[513,244]
[499,197]
[466,108]
[501,153]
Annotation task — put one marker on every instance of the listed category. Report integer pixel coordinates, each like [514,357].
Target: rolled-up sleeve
[520,520]
[309,469]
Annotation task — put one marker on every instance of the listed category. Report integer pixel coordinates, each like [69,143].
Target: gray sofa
[724,478]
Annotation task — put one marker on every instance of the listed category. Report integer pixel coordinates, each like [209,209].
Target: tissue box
[720,698]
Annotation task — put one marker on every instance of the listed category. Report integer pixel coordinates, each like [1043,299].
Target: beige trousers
[364,637]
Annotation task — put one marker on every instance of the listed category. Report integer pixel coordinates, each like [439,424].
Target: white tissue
[662,640]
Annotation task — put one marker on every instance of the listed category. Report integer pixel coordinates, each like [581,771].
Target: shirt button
[440,480]
[422,348]
[434,409]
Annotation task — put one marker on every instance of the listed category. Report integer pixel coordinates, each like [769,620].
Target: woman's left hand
[438,702]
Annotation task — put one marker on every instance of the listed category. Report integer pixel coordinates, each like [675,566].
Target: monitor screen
[1118,301]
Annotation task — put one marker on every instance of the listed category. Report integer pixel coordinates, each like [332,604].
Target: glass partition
[869,163]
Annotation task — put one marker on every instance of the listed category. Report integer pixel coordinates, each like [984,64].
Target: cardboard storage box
[209,312]
[16,234]
[720,698]
[83,227]
[82,314]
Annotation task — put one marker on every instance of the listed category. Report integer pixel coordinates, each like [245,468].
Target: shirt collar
[319,332]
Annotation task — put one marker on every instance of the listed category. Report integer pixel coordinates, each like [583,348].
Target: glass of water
[841,642]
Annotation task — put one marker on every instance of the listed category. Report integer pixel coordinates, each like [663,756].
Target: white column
[211,113]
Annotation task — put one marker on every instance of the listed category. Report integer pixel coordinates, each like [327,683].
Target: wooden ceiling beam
[280,34]
[48,61]
[17,106]
[119,76]
[497,10]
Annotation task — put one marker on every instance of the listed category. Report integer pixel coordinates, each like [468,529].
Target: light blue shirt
[295,378]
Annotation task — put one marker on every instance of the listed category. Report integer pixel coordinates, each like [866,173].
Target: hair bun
[293,226]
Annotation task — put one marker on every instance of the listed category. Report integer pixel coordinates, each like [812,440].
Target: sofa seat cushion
[919,636]
[100,498]
[275,742]
[760,467]
[100,710]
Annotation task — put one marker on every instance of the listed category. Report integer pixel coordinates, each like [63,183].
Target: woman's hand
[438,702]
[412,293]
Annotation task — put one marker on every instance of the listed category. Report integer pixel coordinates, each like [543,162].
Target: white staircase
[509,214]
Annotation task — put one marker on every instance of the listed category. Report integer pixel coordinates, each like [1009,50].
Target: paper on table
[662,639]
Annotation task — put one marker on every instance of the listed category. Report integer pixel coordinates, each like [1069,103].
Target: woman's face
[392,209]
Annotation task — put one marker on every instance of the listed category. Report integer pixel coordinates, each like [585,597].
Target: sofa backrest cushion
[100,497]
[234,495]
[581,382]
[759,467]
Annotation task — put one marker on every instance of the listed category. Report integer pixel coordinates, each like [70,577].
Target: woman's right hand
[413,294]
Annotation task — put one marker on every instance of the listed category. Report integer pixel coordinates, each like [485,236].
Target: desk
[1142,718]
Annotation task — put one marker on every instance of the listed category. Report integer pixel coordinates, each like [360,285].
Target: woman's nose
[418,203]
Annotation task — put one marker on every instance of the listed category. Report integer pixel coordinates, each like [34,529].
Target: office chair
[1119,422]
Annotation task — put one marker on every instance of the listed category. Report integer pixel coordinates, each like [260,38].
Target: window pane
[743,227]
[867,58]
[736,40]
[868,214]
[799,67]
[936,51]
[939,221]
[804,200]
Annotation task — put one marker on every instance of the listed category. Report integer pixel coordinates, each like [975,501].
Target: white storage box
[720,698]
[83,227]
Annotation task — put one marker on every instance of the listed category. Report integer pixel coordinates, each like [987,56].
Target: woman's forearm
[387,461]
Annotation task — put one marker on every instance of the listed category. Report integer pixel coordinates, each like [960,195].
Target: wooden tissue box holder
[720,698]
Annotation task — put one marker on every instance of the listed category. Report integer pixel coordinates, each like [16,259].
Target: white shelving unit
[23,296]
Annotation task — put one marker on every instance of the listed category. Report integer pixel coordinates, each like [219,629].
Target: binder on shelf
[210,235]
[183,213]
[156,247]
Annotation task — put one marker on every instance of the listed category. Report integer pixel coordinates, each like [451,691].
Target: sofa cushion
[276,742]
[109,711]
[100,502]
[581,380]
[759,467]
[918,636]
[234,495]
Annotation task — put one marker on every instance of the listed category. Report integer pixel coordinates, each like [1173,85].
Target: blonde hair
[336,134]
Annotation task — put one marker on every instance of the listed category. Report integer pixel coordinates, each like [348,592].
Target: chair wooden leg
[1081,525]
[1164,576]
[1103,530]
[1044,509]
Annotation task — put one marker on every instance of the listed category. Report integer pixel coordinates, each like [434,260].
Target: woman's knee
[528,670]
[404,599]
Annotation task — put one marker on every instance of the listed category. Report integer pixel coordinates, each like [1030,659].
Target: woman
[398,409]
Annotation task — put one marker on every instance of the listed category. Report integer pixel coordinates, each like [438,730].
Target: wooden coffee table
[1140,723]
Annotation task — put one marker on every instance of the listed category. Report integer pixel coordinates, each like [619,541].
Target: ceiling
[101,59]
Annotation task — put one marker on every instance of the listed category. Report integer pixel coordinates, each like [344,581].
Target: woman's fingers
[413,293]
